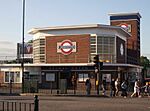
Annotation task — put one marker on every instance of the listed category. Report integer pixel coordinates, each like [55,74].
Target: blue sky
[44,13]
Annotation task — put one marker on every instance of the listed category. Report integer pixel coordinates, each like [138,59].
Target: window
[93,48]
[17,77]
[14,76]
[106,48]
[82,77]
[6,76]
[93,40]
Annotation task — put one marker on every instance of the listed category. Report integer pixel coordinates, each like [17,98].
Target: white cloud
[8,50]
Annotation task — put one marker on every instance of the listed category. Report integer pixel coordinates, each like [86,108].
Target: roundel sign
[127,27]
[124,26]
[66,47]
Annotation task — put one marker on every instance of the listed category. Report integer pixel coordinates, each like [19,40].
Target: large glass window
[105,48]
[14,76]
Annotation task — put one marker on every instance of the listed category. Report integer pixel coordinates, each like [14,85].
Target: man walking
[88,86]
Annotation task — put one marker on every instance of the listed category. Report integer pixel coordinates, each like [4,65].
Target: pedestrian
[88,86]
[124,88]
[136,89]
[146,89]
[112,88]
[116,87]
[73,80]
[103,90]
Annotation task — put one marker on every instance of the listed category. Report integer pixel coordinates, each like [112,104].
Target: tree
[30,41]
[144,61]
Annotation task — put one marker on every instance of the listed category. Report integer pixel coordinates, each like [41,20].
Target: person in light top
[136,89]
[116,87]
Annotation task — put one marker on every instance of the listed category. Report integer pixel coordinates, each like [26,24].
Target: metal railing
[6,105]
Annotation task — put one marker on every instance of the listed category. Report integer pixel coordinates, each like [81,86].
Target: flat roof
[35,30]
[125,13]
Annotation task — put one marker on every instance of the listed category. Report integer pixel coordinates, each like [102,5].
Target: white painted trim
[67,64]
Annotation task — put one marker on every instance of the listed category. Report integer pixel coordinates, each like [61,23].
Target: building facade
[63,52]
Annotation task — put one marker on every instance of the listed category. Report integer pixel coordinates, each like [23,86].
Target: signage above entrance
[66,47]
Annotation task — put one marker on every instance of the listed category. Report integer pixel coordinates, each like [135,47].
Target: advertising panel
[28,50]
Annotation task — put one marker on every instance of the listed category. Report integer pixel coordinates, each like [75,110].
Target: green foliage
[30,41]
[144,61]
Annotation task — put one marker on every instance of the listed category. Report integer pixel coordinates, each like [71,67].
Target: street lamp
[22,62]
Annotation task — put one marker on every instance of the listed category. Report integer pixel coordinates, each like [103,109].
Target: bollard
[36,103]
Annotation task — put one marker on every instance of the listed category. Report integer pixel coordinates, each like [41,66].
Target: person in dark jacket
[112,88]
[124,88]
[88,86]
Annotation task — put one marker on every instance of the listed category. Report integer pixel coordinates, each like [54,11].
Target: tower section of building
[131,23]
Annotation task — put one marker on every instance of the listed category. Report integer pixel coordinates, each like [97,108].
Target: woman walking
[136,89]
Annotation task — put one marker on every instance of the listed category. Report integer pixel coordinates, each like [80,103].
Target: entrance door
[67,76]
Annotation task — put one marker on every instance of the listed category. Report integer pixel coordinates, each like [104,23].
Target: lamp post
[22,62]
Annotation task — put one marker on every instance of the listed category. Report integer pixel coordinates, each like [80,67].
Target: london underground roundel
[124,26]
[66,47]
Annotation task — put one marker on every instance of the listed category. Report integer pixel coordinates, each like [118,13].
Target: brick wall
[1,77]
[80,56]
[133,44]
[133,39]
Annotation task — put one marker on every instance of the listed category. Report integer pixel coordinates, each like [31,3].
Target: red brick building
[69,51]
[131,22]
[63,52]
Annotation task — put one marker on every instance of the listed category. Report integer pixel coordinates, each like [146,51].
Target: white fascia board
[38,65]
[35,30]
[70,64]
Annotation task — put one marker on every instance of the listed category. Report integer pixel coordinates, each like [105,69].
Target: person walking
[124,88]
[73,80]
[116,87]
[112,88]
[146,89]
[88,86]
[103,90]
[136,89]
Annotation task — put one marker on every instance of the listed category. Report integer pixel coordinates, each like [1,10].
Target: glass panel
[17,76]
[12,76]
[105,40]
[93,48]
[82,77]
[93,40]
[6,76]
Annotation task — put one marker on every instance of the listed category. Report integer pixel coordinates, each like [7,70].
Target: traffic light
[101,65]
[96,61]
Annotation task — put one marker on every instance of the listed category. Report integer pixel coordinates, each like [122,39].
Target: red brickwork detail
[132,41]
[133,44]
[1,77]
